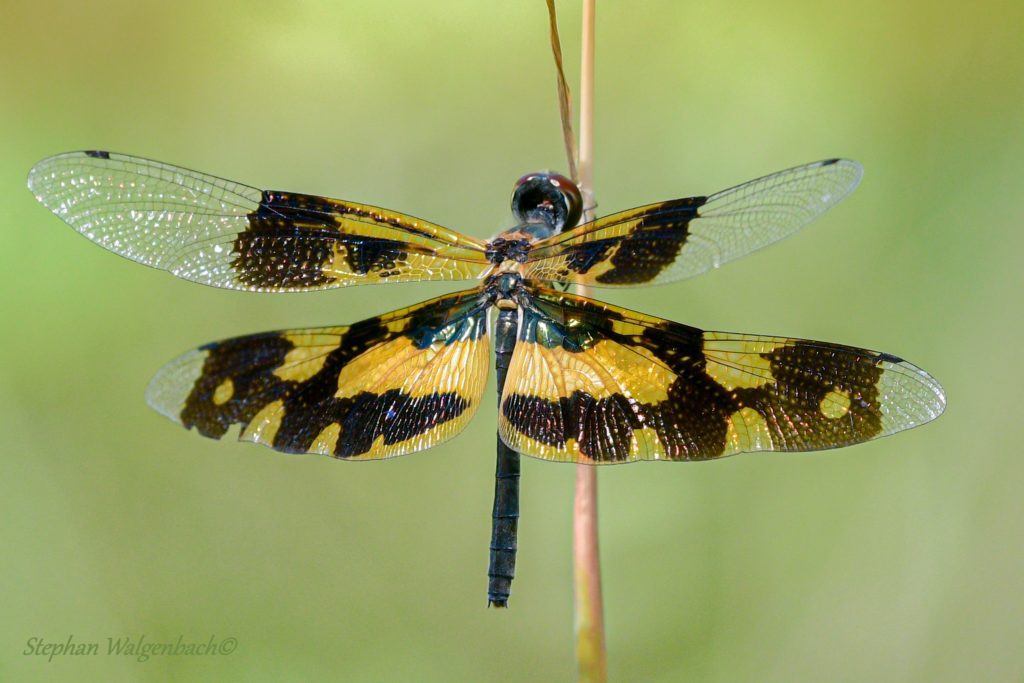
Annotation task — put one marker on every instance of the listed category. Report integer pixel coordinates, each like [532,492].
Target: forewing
[382,387]
[590,382]
[685,237]
[225,234]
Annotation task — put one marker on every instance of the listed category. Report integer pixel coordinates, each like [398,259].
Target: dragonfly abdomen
[505,516]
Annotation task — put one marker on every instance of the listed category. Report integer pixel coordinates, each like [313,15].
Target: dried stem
[589,606]
[564,97]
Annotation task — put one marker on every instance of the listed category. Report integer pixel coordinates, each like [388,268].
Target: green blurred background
[898,560]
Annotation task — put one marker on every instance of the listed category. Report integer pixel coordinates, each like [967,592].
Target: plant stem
[589,606]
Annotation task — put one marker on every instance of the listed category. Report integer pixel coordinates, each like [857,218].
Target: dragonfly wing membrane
[681,238]
[590,382]
[225,234]
[386,386]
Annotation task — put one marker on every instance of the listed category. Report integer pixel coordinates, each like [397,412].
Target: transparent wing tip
[171,385]
[848,172]
[909,396]
[38,175]
[44,167]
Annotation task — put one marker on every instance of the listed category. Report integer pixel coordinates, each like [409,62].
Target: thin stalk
[591,657]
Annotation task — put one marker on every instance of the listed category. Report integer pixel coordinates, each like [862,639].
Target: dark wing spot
[584,257]
[654,243]
[287,243]
[603,428]
[249,362]
[804,375]
[293,238]
[373,255]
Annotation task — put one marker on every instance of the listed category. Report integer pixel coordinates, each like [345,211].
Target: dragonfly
[579,380]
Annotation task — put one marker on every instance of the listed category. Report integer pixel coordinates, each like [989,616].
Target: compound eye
[547,198]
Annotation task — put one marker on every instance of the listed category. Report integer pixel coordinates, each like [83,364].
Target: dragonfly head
[549,201]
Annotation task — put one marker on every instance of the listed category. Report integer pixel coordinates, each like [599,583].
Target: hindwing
[590,382]
[385,386]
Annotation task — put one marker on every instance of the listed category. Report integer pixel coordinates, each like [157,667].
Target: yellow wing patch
[307,356]
[739,360]
[747,431]
[835,405]
[602,370]
[224,391]
[263,426]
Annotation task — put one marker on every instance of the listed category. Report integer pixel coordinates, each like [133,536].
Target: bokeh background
[898,560]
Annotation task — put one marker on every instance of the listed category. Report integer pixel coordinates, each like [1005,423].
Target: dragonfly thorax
[504,288]
[511,245]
